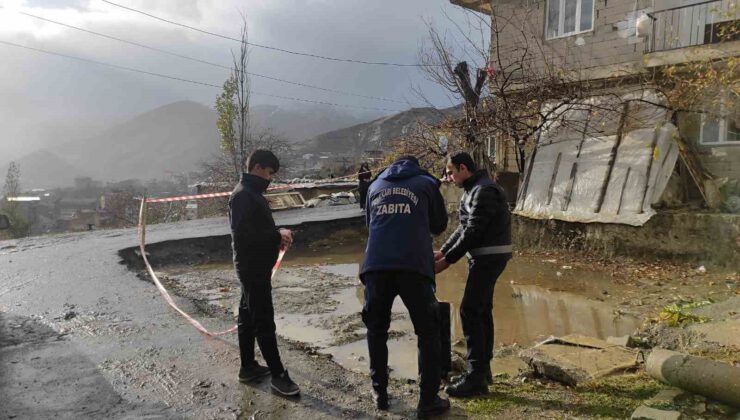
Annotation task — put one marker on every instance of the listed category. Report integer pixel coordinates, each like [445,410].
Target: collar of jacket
[255,183]
[469,183]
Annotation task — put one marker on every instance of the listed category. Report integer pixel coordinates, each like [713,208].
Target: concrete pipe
[716,380]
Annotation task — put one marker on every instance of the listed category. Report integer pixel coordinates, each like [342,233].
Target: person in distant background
[363,179]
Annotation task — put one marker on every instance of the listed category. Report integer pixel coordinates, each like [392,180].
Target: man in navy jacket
[404,207]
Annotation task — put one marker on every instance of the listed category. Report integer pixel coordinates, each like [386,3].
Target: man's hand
[286,239]
[440,265]
[438,255]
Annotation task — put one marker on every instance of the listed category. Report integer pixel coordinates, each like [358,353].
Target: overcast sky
[40,92]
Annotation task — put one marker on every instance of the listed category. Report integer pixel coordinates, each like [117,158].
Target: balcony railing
[697,24]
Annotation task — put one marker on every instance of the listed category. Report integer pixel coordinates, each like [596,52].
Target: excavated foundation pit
[318,297]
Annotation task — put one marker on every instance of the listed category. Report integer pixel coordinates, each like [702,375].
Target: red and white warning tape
[142,245]
[226,194]
[187,197]
[198,326]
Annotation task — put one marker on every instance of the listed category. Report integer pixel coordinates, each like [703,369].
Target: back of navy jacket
[404,207]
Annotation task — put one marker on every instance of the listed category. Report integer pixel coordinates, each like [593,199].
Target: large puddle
[533,300]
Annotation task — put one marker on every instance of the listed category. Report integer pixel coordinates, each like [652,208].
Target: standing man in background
[363,183]
[404,207]
[256,243]
[484,235]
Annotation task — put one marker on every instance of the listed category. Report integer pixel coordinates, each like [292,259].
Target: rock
[719,408]
[624,341]
[458,363]
[665,397]
[647,413]
[619,341]
[701,270]
[69,315]
[699,408]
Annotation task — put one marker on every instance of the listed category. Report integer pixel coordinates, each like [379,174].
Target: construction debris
[577,359]
[712,379]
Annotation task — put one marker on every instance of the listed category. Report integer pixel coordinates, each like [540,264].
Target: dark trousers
[417,293]
[257,320]
[362,187]
[476,310]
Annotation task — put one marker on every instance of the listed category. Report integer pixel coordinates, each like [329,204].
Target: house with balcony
[638,149]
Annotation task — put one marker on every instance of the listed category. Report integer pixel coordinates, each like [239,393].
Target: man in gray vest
[484,236]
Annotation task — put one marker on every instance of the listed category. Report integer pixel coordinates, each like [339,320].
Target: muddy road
[85,334]
[82,336]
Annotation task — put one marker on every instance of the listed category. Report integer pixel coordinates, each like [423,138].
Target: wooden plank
[612,157]
[554,177]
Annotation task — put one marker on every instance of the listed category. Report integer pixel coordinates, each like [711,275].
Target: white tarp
[570,178]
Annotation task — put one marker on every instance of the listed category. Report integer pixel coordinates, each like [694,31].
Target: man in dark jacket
[256,243]
[404,206]
[484,235]
[363,183]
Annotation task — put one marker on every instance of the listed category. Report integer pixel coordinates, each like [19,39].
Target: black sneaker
[436,407]
[253,372]
[381,399]
[469,386]
[284,385]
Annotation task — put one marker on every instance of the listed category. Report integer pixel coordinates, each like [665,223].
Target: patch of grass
[613,397]
[489,405]
[676,315]
[617,396]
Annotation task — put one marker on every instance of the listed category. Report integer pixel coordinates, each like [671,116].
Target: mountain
[377,134]
[300,124]
[177,137]
[174,137]
[44,169]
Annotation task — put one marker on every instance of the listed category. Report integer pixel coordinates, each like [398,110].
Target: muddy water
[533,299]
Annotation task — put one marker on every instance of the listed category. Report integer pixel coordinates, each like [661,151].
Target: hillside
[377,134]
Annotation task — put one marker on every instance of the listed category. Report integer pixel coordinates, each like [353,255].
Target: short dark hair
[408,157]
[264,158]
[462,158]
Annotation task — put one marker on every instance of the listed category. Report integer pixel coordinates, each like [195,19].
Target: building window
[568,17]
[722,130]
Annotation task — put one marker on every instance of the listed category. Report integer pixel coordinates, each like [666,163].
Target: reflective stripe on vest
[490,250]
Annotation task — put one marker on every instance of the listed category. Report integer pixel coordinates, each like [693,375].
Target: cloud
[56,89]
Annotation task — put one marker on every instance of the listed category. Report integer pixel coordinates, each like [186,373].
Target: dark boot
[380,397]
[458,378]
[471,385]
[253,372]
[435,407]
[284,385]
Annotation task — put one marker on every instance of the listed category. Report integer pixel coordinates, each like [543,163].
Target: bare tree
[232,107]
[528,84]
